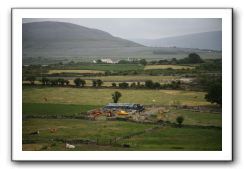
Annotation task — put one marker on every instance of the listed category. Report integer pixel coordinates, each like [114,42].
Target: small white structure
[107,61]
[69,146]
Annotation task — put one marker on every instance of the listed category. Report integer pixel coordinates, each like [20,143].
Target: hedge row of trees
[192,58]
[149,84]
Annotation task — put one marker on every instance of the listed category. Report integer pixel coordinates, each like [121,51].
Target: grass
[107,67]
[76,71]
[168,66]
[178,139]
[95,97]
[197,118]
[43,109]
[162,139]
[71,129]
[135,78]
[193,136]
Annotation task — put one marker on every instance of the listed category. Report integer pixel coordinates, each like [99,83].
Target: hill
[67,37]
[52,42]
[206,40]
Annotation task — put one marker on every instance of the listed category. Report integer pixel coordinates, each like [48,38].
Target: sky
[140,28]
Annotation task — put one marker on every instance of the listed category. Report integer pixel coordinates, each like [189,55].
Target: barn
[125,106]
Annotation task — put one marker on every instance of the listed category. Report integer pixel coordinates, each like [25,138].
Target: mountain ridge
[211,40]
[49,32]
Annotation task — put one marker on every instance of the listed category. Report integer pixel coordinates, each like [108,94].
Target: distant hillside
[52,42]
[206,40]
[67,37]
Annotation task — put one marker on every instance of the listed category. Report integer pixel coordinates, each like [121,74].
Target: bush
[114,84]
[133,85]
[123,85]
[116,96]
[79,82]
[97,83]
[180,120]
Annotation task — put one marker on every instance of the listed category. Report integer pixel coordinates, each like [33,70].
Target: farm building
[124,106]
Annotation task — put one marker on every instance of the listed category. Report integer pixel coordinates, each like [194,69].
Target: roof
[121,104]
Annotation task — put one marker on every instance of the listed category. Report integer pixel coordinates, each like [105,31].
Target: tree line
[78,82]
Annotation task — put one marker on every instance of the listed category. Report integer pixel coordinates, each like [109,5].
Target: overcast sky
[145,28]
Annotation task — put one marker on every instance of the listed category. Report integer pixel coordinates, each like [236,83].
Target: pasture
[76,71]
[85,96]
[149,67]
[135,78]
[101,135]
[105,67]
[57,107]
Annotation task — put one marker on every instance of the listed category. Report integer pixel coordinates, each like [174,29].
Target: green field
[103,96]
[178,139]
[48,109]
[106,67]
[135,78]
[168,67]
[76,71]
[56,107]
[163,138]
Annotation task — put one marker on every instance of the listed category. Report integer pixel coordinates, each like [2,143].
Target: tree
[114,84]
[83,82]
[138,84]
[54,82]
[214,93]
[123,85]
[45,81]
[99,61]
[149,84]
[133,85]
[61,82]
[79,82]
[123,62]
[194,58]
[94,83]
[116,96]
[174,61]
[180,120]
[157,85]
[143,62]
[31,79]
[66,82]
[99,82]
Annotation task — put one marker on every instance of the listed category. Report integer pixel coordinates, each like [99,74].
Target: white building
[107,61]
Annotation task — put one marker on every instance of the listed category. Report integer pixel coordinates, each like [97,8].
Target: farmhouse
[124,106]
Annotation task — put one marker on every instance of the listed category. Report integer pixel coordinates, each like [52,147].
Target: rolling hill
[45,42]
[205,40]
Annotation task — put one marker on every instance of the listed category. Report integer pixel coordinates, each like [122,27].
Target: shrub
[180,120]
[116,96]
[123,85]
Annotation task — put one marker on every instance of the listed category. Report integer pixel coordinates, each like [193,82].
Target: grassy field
[76,71]
[201,131]
[178,139]
[165,138]
[106,67]
[42,109]
[103,96]
[136,78]
[196,118]
[148,67]
[191,117]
